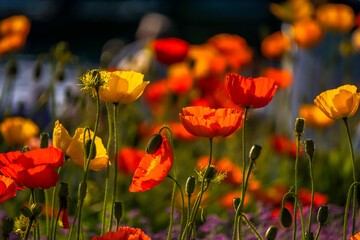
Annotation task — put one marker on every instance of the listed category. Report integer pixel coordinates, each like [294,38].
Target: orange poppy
[208,122]
[307,33]
[314,116]
[282,77]
[124,233]
[129,159]
[29,169]
[355,237]
[170,50]
[180,84]
[250,92]
[153,168]
[305,198]
[336,17]
[17,131]
[8,188]
[275,45]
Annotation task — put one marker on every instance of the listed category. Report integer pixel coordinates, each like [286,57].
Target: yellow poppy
[314,116]
[17,131]
[123,87]
[342,102]
[73,147]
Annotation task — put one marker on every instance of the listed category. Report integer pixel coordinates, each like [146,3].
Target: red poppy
[180,84]
[282,77]
[153,168]
[129,159]
[29,169]
[64,219]
[250,92]
[208,122]
[283,145]
[124,233]
[8,188]
[305,198]
[155,92]
[170,50]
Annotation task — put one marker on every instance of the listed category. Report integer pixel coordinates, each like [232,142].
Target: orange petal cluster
[129,159]
[124,233]
[208,122]
[275,45]
[307,33]
[282,77]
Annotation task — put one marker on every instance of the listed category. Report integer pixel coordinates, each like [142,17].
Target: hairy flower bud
[190,185]
[154,144]
[271,233]
[254,152]
[44,140]
[309,148]
[210,173]
[299,126]
[323,214]
[118,211]
[285,218]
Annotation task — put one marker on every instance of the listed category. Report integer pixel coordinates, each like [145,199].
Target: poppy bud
[44,140]
[37,70]
[25,210]
[236,202]
[87,150]
[299,126]
[323,214]
[118,211]
[309,148]
[210,173]
[82,190]
[25,149]
[271,233]
[309,236]
[36,209]
[11,69]
[254,152]
[285,218]
[154,144]
[8,226]
[190,185]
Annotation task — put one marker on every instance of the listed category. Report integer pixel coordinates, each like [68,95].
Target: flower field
[167,139]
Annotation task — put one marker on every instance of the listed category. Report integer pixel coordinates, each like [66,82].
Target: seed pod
[299,126]
[255,152]
[154,144]
[271,233]
[44,140]
[190,185]
[285,218]
[236,202]
[323,214]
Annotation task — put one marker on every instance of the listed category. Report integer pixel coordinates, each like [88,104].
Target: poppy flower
[122,87]
[179,79]
[124,233]
[305,198]
[282,77]
[275,45]
[292,10]
[156,91]
[129,159]
[250,92]
[170,50]
[73,147]
[307,33]
[202,57]
[314,116]
[8,188]
[29,169]
[208,122]
[355,237]
[285,146]
[17,131]
[153,168]
[336,17]
[341,102]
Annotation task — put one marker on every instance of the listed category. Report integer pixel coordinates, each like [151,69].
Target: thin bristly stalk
[172,211]
[182,200]
[312,193]
[347,208]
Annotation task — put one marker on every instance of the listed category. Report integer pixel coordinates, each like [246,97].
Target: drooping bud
[309,148]
[8,226]
[87,150]
[285,218]
[236,202]
[25,149]
[26,211]
[254,152]
[44,140]
[309,236]
[36,209]
[323,214]
[271,233]
[82,190]
[154,144]
[299,126]
[190,185]
[118,211]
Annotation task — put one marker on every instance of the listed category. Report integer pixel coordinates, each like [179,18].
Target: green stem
[354,175]
[47,203]
[74,221]
[57,220]
[295,206]
[198,199]
[55,189]
[347,208]
[107,169]
[29,228]
[172,211]
[251,226]
[312,193]
[298,138]
[318,232]
[183,204]
[115,163]
[188,210]
[37,230]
